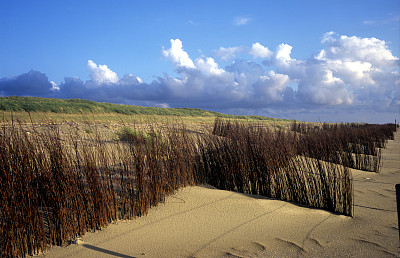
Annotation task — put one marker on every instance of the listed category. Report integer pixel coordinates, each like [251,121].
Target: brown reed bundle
[352,145]
[21,227]
[252,159]
[55,187]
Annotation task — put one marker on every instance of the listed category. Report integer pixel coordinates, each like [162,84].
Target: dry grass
[356,146]
[256,160]
[58,181]
[55,188]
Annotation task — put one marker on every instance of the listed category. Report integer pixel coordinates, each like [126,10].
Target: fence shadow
[105,251]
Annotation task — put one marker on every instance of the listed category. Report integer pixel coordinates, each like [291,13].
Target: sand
[202,221]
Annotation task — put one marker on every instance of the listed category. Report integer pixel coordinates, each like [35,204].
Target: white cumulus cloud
[177,55]
[283,53]
[354,48]
[272,87]
[259,51]
[101,74]
[208,66]
[227,53]
[348,70]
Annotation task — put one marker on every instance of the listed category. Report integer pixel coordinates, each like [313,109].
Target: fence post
[398,206]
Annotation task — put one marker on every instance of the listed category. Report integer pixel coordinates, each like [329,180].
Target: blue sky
[306,60]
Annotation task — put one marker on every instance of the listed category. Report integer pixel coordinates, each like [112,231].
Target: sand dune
[203,221]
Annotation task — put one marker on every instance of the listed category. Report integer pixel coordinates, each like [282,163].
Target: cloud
[259,51]
[369,22]
[323,88]
[273,88]
[347,72]
[355,49]
[101,74]
[54,86]
[32,83]
[130,79]
[283,53]
[391,22]
[328,36]
[227,53]
[208,66]
[241,20]
[348,75]
[177,55]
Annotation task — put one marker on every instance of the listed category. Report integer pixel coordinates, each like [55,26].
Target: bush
[127,134]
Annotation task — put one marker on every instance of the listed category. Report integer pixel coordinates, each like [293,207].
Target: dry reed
[256,160]
[55,185]
[352,145]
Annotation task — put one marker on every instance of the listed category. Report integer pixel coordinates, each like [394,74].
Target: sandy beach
[202,221]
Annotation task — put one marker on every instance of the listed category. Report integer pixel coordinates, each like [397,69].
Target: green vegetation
[88,131]
[80,106]
[127,134]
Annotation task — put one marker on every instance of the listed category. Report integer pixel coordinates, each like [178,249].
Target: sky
[328,61]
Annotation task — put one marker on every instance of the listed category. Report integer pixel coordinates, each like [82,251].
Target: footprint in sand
[380,194]
[313,243]
[252,249]
[290,245]
[372,245]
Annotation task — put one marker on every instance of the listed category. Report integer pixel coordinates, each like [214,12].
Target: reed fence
[55,186]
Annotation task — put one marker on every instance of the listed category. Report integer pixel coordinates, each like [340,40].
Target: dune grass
[58,181]
[256,160]
[82,107]
[356,146]
[55,188]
